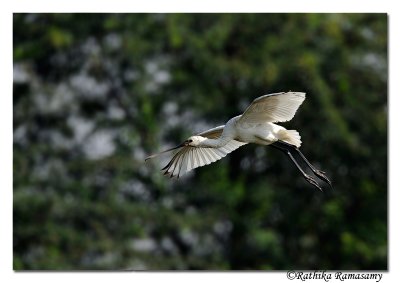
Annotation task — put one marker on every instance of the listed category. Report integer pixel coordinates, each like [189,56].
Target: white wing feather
[213,133]
[189,158]
[275,107]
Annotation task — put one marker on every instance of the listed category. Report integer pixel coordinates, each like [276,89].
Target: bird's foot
[321,175]
[312,181]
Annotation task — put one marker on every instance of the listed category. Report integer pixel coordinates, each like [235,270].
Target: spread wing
[189,157]
[275,107]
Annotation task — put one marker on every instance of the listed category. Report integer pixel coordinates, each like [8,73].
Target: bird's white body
[250,133]
[261,133]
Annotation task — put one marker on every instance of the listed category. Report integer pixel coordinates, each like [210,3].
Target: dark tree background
[94,94]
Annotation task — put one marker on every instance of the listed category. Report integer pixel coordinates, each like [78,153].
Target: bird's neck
[220,142]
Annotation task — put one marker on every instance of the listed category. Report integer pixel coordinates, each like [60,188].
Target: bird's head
[194,141]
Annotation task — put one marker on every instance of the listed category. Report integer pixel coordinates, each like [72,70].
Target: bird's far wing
[189,157]
[275,107]
[213,133]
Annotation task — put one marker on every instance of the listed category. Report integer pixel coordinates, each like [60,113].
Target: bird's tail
[291,136]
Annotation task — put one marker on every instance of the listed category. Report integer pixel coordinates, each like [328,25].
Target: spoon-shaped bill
[157,154]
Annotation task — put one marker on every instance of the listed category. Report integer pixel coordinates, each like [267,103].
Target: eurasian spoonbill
[255,125]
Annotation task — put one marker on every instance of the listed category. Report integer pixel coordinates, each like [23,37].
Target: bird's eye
[190,140]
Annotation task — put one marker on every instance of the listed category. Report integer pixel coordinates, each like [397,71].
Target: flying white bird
[255,125]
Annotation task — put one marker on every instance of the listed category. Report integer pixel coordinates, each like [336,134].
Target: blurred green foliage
[95,93]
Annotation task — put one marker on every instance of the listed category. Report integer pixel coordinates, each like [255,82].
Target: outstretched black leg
[308,178]
[320,174]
